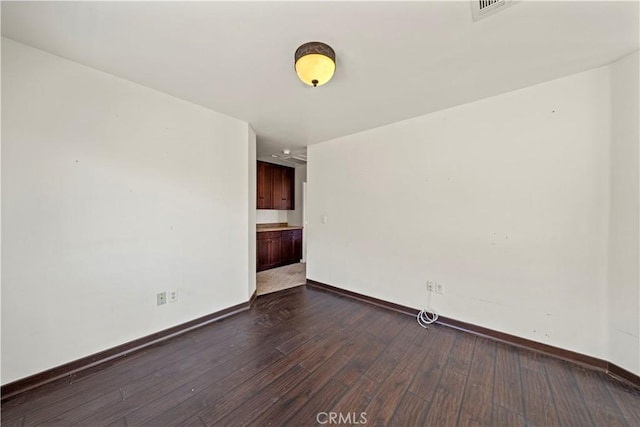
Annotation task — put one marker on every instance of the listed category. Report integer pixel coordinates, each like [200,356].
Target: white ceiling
[395,60]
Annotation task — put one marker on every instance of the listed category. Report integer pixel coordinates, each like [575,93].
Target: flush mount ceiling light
[315,63]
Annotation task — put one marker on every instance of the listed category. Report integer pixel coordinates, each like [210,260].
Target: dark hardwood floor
[300,354]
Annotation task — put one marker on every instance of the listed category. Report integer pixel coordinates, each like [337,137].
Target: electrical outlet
[161,298]
[429,286]
[173,295]
[439,288]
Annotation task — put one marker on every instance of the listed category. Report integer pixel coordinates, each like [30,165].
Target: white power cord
[428,315]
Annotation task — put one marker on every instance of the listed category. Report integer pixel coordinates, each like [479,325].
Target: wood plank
[324,350]
[194,422]
[257,397]
[78,414]
[298,396]
[419,348]
[460,356]
[532,360]
[391,356]
[477,403]
[540,410]
[341,336]
[411,411]
[120,422]
[16,422]
[507,391]
[322,401]
[428,374]
[568,399]
[357,397]
[503,417]
[601,405]
[448,394]
[361,361]
[293,343]
[627,399]
[384,403]
[446,400]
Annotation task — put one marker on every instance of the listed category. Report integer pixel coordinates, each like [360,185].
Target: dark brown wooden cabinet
[297,246]
[264,185]
[262,249]
[277,248]
[268,249]
[275,186]
[286,247]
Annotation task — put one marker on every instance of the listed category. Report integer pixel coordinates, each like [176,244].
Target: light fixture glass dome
[315,63]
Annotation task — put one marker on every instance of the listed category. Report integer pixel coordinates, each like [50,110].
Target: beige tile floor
[281,278]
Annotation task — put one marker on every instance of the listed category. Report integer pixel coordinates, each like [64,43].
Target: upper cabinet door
[275,186]
[278,194]
[288,187]
[264,185]
[283,186]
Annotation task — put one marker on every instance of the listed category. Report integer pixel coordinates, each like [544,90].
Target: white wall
[294,217]
[504,201]
[252,177]
[269,216]
[1,275]
[624,280]
[112,192]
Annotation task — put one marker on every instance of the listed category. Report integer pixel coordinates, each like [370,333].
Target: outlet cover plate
[161,298]
[173,295]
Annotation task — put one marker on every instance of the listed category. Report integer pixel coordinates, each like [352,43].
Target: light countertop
[276,227]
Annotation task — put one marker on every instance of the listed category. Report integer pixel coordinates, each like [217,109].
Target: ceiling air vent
[299,158]
[480,9]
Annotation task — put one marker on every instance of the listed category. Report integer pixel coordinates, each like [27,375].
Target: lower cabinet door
[286,249]
[297,246]
[268,253]
[275,256]
[262,258]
